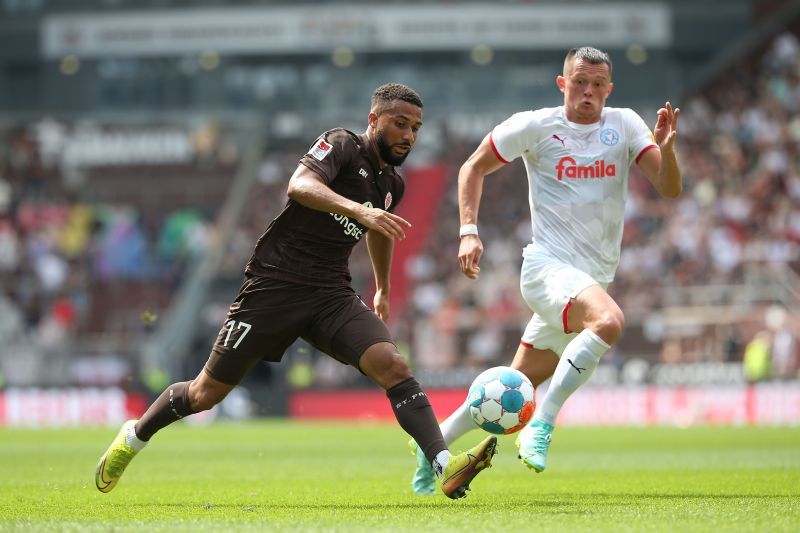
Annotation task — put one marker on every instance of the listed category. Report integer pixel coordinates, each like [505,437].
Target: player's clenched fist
[469,255]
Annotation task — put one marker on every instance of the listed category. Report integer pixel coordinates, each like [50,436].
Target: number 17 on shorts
[232,325]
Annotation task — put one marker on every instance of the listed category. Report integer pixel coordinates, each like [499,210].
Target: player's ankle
[440,462]
[133,441]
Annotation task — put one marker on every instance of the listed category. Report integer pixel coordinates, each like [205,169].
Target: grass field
[333,477]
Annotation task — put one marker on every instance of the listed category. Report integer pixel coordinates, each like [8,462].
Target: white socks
[440,462]
[457,424]
[576,365]
[132,440]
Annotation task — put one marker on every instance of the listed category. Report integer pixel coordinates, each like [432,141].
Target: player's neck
[573,117]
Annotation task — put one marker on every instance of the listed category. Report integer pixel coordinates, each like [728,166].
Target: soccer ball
[501,400]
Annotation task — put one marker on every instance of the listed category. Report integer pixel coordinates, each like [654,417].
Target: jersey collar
[582,127]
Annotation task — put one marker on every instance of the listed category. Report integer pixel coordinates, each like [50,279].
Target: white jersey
[578,178]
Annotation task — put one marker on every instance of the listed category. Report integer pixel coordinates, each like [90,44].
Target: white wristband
[468,229]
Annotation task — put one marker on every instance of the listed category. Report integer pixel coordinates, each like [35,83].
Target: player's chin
[398,156]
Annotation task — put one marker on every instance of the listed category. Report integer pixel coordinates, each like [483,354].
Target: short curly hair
[389,92]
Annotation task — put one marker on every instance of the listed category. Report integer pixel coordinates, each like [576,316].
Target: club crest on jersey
[568,167]
[609,137]
[387,201]
[320,150]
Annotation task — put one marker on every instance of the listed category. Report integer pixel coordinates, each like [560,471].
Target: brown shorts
[268,315]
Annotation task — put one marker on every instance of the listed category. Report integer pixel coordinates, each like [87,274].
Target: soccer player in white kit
[577,157]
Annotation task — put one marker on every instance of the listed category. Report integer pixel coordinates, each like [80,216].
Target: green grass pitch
[281,475]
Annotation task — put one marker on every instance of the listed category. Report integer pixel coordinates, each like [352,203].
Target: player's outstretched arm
[308,188]
[482,162]
[661,166]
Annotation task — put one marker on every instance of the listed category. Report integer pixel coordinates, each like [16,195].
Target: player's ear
[373,119]
[610,88]
[561,82]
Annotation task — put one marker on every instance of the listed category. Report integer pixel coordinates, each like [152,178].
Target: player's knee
[384,365]
[610,325]
[395,371]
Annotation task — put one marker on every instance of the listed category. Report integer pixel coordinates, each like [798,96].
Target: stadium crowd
[62,258]
[82,268]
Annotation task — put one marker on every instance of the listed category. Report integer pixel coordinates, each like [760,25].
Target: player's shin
[415,415]
[458,424]
[576,365]
[172,405]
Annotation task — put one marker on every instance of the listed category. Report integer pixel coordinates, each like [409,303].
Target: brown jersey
[311,247]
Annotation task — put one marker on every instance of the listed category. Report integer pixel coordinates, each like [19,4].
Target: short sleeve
[641,138]
[330,153]
[511,138]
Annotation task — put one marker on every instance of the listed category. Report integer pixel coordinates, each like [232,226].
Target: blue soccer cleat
[534,442]
[424,480]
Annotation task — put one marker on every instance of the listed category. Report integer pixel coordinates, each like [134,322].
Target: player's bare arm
[380,253]
[482,162]
[309,189]
[661,166]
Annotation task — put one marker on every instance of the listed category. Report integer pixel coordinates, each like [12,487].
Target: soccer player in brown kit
[297,284]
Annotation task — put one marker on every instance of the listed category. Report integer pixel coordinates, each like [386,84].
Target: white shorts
[548,287]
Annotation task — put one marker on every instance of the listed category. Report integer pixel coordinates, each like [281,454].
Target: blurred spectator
[756,358]
[784,353]
[783,349]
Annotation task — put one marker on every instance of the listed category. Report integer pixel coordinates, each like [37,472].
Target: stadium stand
[92,253]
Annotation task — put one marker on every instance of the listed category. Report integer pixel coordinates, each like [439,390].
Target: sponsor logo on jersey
[609,137]
[559,139]
[350,226]
[567,167]
[362,173]
[387,201]
[320,150]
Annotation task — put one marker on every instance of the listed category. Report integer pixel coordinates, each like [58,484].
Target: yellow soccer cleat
[113,463]
[461,469]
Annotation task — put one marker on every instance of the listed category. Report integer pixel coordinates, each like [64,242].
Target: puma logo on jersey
[559,139]
[568,167]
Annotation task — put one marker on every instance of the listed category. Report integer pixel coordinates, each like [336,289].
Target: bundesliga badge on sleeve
[320,150]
